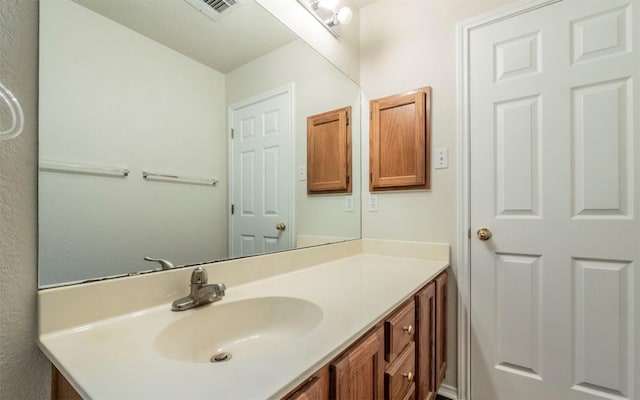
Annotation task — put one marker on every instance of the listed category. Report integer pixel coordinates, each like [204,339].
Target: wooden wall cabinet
[400,141]
[329,152]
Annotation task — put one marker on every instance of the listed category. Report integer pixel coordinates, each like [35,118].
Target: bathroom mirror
[138,104]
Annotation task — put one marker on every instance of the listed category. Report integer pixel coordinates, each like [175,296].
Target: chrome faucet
[164,264]
[201,292]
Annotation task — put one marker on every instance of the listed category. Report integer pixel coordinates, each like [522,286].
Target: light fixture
[325,12]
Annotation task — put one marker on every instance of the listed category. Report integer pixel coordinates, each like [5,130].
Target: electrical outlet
[302,173]
[348,204]
[373,203]
[442,158]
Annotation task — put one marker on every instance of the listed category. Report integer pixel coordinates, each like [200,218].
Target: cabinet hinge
[233,133]
[347,120]
[370,114]
[370,176]
[233,209]
[347,179]
[469,233]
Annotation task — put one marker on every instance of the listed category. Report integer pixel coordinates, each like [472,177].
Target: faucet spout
[201,292]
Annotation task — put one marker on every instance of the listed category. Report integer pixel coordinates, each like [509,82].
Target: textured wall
[24,371]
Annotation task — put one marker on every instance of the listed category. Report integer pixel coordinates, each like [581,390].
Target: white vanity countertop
[116,358]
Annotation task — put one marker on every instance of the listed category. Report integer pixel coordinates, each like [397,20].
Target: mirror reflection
[173,133]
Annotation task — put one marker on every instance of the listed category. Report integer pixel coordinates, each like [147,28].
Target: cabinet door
[61,389]
[329,152]
[400,141]
[315,388]
[425,342]
[441,328]
[359,373]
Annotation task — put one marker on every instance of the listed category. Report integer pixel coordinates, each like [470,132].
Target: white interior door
[260,175]
[555,292]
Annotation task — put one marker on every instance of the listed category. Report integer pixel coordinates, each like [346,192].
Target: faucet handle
[164,264]
[199,276]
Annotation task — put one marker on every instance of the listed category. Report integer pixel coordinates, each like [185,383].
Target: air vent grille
[215,9]
[220,5]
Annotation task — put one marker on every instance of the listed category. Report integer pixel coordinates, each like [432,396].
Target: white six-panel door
[260,175]
[554,119]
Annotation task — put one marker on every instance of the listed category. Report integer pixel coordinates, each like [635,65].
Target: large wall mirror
[139,101]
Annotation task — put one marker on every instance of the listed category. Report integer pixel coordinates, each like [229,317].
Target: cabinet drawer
[399,331]
[400,375]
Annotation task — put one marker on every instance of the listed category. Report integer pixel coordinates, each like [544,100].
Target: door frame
[463,228]
[288,89]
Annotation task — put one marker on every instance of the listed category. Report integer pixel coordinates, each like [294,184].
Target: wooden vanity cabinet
[403,357]
[405,360]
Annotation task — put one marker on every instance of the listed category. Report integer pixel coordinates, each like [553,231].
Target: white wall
[24,371]
[408,44]
[319,87]
[110,96]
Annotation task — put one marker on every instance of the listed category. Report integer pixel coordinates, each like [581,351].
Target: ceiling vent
[215,9]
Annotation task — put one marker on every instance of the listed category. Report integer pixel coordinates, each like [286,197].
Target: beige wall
[24,371]
[404,45]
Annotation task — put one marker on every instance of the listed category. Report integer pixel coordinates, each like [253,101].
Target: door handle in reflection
[484,234]
[281,226]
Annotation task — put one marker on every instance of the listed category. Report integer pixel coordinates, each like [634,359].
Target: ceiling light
[325,12]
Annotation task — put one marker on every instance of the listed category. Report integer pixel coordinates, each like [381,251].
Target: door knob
[484,234]
[281,226]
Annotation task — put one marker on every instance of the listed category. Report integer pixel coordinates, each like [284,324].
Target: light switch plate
[348,204]
[302,173]
[373,203]
[442,158]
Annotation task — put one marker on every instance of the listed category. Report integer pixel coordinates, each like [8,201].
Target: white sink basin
[242,328]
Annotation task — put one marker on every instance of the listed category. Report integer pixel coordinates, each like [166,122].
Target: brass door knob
[484,234]
[281,226]
[409,376]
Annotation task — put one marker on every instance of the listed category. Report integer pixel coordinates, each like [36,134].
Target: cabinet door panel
[425,342]
[400,141]
[359,373]
[441,328]
[315,388]
[329,152]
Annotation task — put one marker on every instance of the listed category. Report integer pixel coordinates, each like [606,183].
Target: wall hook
[17,118]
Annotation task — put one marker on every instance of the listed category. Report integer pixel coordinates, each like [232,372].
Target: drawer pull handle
[409,376]
[408,329]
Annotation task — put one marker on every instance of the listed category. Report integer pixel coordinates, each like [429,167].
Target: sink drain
[220,357]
